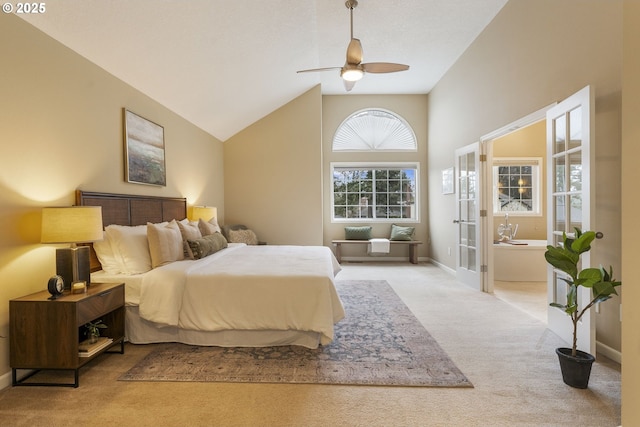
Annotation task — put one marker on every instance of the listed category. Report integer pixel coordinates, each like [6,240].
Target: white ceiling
[224,64]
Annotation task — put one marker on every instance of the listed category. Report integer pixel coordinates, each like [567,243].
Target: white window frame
[368,134]
[380,165]
[536,183]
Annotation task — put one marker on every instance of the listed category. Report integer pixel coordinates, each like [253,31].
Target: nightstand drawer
[100,304]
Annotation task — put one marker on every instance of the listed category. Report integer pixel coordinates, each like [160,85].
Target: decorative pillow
[208,227]
[243,236]
[165,243]
[110,264]
[401,233]
[130,247]
[207,245]
[189,231]
[357,233]
[225,229]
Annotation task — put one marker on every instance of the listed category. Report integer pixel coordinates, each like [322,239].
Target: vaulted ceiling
[223,65]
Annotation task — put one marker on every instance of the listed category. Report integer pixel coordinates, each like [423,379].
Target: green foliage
[93,328]
[598,281]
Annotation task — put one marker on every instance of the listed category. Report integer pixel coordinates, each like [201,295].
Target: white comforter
[247,288]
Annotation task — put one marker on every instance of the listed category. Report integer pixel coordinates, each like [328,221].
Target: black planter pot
[575,370]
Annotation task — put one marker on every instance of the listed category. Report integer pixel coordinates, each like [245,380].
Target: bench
[413,245]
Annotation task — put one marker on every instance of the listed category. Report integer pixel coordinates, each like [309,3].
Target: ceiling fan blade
[384,67]
[354,52]
[348,85]
[319,69]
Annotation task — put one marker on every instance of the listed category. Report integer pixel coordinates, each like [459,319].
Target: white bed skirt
[141,331]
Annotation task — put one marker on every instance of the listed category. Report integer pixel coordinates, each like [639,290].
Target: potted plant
[575,364]
[93,330]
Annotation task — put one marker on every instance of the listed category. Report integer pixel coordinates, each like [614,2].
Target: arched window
[374,129]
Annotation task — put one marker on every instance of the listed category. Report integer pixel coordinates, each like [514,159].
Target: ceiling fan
[353,70]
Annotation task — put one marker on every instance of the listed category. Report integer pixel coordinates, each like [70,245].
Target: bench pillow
[401,233]
[357,233]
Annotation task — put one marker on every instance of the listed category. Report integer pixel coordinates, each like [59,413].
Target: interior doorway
[515,201]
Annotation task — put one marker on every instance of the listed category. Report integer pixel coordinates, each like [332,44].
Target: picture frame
[448,186]
[144,151]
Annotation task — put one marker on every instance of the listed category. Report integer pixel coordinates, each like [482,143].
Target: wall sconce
[72,224]
[204,212]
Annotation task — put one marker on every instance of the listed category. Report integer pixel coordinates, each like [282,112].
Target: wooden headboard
[126,209]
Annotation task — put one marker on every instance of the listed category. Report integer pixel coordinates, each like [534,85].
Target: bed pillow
[108,261]
[207,245]
[401,233]
[165,243]
[208,227]
[189,231]
[243,236]
[357,233]
[131,247]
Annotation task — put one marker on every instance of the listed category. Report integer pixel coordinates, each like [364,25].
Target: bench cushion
[357,233]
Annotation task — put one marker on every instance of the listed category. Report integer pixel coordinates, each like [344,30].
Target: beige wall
[335,109]
[532,54]
[61,129]
[273,174]
[526,142]
[630,209]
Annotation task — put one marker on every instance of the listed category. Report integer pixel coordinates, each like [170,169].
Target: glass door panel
[575,128]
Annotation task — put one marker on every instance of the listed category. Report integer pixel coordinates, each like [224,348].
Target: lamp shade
[72,224]
[204,212]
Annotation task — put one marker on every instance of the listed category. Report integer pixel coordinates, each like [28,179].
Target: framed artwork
[448,181]
[144,151]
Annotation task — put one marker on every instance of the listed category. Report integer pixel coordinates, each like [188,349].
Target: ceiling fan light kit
[352,75]
[353,69]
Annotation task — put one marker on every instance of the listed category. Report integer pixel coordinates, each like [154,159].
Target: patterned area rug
[379,342]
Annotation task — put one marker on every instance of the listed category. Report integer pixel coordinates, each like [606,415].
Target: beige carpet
[508,355]
[379,342]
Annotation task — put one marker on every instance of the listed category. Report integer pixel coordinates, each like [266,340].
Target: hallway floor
[530,297]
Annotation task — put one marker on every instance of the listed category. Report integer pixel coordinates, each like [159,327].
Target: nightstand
[45,334]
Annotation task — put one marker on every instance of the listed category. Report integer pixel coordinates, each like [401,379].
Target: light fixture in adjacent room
[72,224]
[204,212]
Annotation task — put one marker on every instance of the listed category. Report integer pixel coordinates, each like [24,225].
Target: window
[384,192]
[374,129]
[517,185]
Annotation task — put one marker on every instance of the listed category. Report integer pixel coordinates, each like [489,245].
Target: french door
[570,161]
[467,221]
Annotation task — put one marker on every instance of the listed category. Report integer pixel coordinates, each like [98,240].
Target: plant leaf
[563,260]
[589,276]
[602,289]
[583,242]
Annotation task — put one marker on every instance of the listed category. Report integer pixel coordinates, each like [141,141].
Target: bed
[239,295]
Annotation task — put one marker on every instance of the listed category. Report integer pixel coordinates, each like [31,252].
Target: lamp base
[73,265]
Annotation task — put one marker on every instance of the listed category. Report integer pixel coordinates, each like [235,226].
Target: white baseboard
[383,258]
[5,380]
[609,352]
[444,267]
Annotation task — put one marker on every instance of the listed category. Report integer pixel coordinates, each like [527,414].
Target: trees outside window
[381,192]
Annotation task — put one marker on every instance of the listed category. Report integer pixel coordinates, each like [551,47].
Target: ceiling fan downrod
[351,4]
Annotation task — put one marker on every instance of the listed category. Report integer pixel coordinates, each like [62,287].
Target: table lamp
[72,224]
[204,212]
